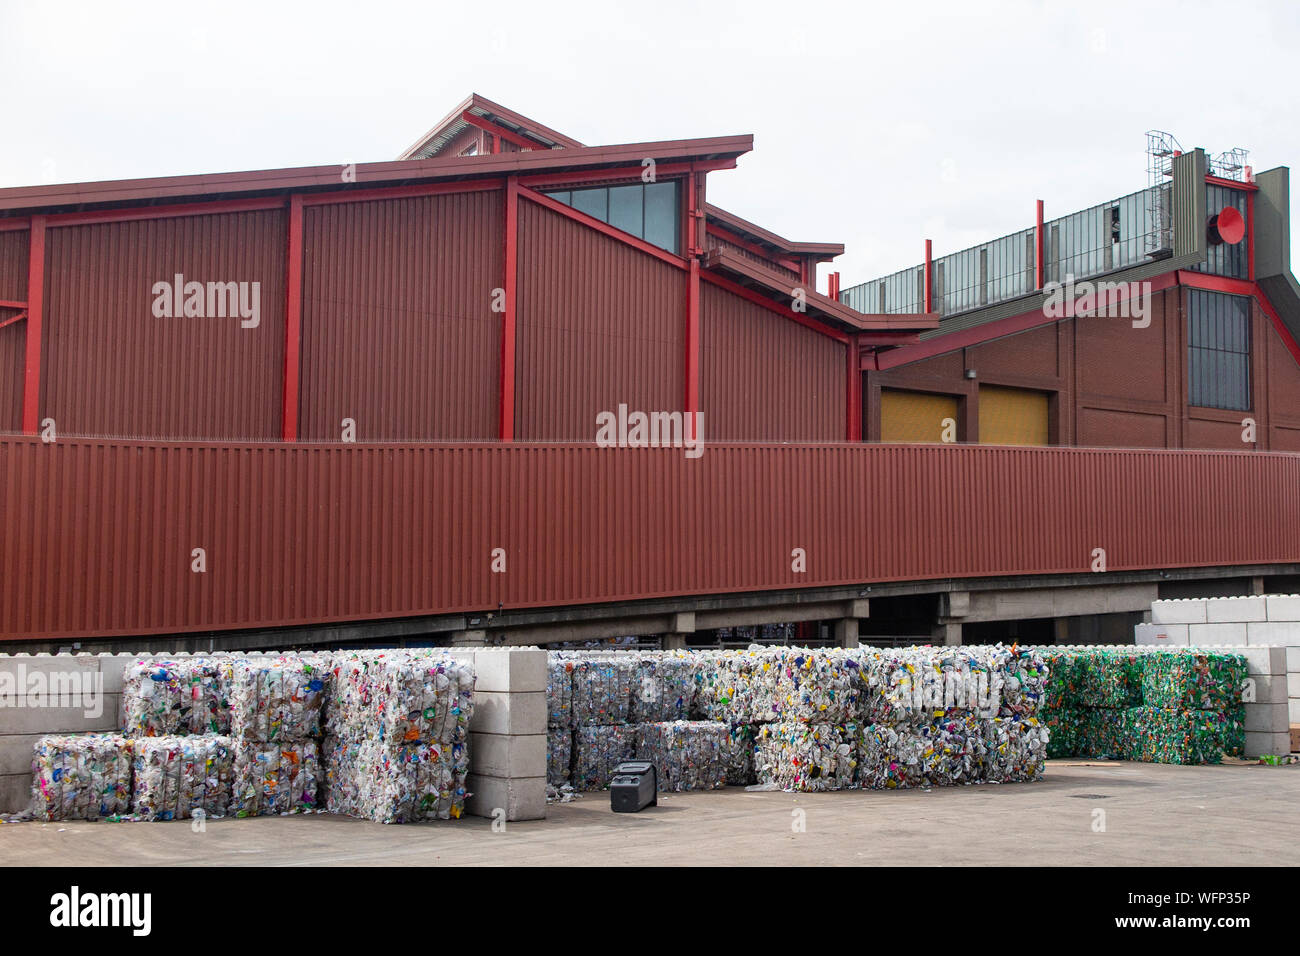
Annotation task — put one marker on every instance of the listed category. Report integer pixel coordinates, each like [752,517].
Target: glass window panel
[626,208]
[594,202]
[661,215]
[562,196]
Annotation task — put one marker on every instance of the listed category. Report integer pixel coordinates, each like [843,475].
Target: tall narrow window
[1218,350]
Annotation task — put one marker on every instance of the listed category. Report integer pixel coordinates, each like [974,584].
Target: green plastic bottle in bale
[1193,680]
[1110,678]
[1103,733]
[1063,725]
[1163,735]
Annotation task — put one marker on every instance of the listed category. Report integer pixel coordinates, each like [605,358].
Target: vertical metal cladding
[766,378]
[111,367]
[599,324]
[99,534]
[398,329]
[13,338]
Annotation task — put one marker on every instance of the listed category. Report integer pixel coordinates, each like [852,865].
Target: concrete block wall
[507,748]
[1258,620]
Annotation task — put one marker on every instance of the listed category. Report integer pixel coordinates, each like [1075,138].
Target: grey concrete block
[522,799]
[1161,635]
[1283,607]
[511,671]
[497,713]
[1272,632]
[497,755]
[1260,660]
[1268,719]
[1235,609]
[51,720]
[16,752]
[1292,659]
[1178,612]
[1293,705]
[1293,685]
[1269,689]
[1203,634]
[15,792]
[1259,744]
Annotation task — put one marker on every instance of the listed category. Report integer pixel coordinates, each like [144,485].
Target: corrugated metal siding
[110,367]
[13,338]
[599,324]
[99,534]
[398,331]
[766,378]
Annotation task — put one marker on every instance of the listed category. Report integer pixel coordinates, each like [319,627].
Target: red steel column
[854,392]
[692,347]
[292,324]
[929,278]
[1038,246]
[507,432]
[35,314]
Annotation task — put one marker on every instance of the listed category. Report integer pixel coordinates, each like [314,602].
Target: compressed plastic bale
[800,756]
[394,783]
[1012,749]
[559,755]
[175,778]
[711,699]
[1024,680]
[399,696]
[952,747]
[664,688]
[278,700]
[163,697]
[810,685]
[1110,678]
[891,757]
[1104,732]
[1187,680]
[81,776]
[740,754]
[602,689]
[1063,726]
[1063,684]
[559,692]
[597,750]
[275,778]
[688,755]
[1161,735]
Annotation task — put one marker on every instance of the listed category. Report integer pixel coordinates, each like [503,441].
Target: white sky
[875,125]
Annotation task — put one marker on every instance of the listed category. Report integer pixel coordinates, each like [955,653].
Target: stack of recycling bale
[81,777]
[398,729]
[559,719]
[1158,705]
[603,733]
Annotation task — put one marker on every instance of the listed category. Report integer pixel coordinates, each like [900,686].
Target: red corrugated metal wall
[599,324]
[764,377]
[110,367]
[98,535]
[13,338]
[398,331]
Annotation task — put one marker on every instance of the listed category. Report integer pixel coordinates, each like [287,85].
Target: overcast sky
[875,125]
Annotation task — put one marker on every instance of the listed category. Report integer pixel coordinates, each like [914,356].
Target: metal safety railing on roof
[1091,242]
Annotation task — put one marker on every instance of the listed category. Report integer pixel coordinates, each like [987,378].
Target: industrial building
[342,404]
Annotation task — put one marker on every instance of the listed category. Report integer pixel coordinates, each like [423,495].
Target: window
[1224,259]
[1218,350]
[470,150]
[648,211]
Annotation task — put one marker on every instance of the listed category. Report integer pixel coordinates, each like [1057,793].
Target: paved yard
[1153,815]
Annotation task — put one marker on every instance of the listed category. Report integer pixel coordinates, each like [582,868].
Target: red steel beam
[13,320]
[35,315]
[11,225]
[854,393]
[929,278]
[292,324]
[507,430]
[786,313]
[400,192]
[1199,280]
[786,262]
[501,132]
[591,221]
[11,304]
[1040,261]
[1231,183]
[165,212]
[692,347]
[662,170]
[1287,339]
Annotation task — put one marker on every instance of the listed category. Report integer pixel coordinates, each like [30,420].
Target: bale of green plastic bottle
[1181,736]
[1109,678]
[1193,680]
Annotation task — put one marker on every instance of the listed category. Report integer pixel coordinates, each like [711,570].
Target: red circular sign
[1231,225]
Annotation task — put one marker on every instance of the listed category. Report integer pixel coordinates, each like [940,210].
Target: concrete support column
[469,639]
[846,632]
[1061,630]
[946,634]
[673,642]
[1256,585]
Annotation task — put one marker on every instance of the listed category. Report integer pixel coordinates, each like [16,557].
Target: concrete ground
[1081,813]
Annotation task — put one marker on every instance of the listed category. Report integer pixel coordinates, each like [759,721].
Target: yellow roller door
[915,416]
[1012,416]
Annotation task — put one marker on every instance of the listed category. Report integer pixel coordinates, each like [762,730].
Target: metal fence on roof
[1091,242]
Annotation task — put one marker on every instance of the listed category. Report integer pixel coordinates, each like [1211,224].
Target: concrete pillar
[946,634]
[1256,585]
[469,639]
[846,632]
[1061,628]
[673,642]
